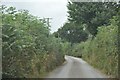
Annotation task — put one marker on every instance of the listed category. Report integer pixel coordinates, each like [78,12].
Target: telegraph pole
[46,20]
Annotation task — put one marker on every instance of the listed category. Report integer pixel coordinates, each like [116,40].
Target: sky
[55,9]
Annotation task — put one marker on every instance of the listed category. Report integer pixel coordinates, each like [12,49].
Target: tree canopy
[92,14]
[72,33]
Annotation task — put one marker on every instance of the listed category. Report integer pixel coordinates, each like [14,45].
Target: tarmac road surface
[75,68]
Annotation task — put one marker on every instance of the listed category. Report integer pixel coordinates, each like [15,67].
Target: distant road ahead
[75,68]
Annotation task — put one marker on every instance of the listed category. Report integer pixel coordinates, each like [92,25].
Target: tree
[92,14]
[71,32]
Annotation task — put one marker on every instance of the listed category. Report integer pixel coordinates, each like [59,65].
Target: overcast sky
[55,9]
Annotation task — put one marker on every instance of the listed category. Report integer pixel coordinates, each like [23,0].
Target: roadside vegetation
[92,30]
[102,51]
[28,48]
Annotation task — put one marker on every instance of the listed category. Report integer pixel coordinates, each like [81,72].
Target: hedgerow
[102,51]
[28,48]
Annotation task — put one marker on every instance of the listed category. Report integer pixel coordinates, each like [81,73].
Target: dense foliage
[28,48]
[71,32]
[84,19]
[92,14]
[92,29]
[102,51]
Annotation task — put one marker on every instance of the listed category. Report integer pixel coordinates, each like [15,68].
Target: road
[75,68]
